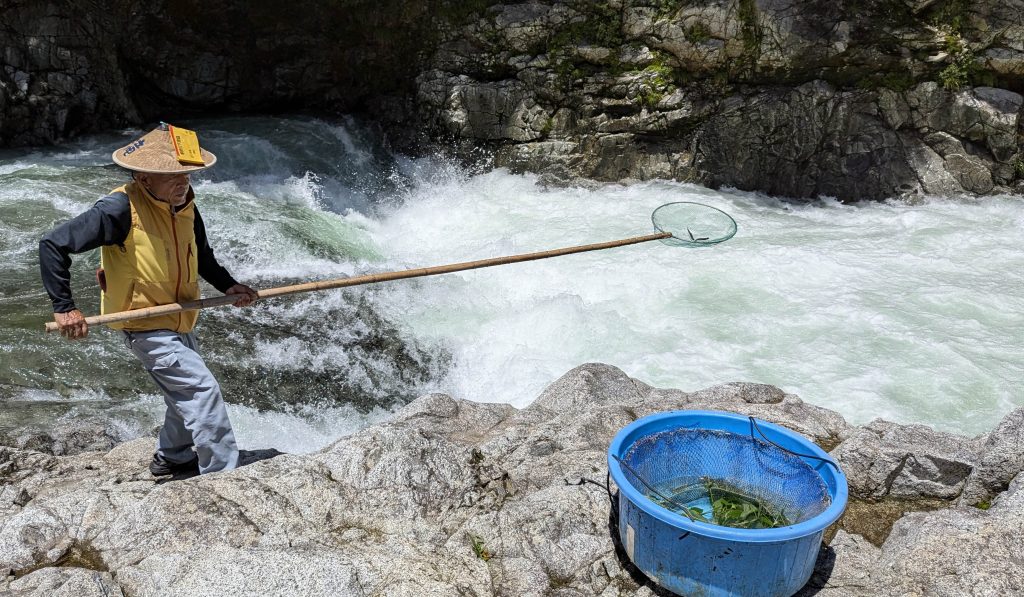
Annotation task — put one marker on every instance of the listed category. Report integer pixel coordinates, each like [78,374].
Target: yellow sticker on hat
[186,146]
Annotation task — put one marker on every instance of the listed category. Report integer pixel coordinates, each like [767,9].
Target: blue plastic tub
[696,558]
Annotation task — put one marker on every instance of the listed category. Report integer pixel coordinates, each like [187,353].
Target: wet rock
[972,175]
[64,582]
[492,111]
[71,70]
[810,141]
[929,166]
[71,437]
[983,115]
[813,140]
[16,464]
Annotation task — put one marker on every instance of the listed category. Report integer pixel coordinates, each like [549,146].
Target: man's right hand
[72,324]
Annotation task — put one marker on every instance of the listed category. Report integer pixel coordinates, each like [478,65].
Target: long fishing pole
[670,220]
[220,301]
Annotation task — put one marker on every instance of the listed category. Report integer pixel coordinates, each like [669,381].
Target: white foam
[301,430]
[77,395]
[855,307]
[13,167]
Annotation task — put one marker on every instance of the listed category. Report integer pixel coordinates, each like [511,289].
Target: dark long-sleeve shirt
[108,223]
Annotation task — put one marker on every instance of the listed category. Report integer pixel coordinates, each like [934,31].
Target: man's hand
[71,324]
[246,295]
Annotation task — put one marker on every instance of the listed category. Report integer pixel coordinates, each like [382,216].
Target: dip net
[693,224]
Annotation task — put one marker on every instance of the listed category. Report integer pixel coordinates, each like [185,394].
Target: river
[909,311]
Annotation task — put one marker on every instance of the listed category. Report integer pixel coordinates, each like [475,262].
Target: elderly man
[153,248]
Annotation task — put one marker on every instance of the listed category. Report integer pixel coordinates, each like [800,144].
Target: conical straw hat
[154,153]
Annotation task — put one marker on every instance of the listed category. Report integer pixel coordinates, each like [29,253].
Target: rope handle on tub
[754,425]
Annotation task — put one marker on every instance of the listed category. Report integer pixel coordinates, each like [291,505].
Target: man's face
[172,188]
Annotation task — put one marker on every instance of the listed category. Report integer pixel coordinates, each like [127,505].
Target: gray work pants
[196,415]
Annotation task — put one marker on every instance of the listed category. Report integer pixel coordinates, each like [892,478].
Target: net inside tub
[725,478]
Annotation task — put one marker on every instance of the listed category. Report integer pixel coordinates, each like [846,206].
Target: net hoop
[713,226]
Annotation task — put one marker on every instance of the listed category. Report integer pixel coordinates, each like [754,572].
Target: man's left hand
[246,295]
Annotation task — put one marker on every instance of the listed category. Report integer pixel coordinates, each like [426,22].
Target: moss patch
[657,80]
[874,520]
[79,555]
[750,29]
[668,8]
[479,550]
[951,15]
[897,81]
[697,33]
[961,70]
[751,35]
[601,25]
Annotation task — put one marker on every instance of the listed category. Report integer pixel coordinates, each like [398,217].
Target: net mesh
[693,224]
[725,478]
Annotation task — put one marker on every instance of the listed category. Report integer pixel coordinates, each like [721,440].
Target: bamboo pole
[220,301]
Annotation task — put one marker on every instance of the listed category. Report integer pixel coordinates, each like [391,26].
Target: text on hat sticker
[186,146]
[134,146]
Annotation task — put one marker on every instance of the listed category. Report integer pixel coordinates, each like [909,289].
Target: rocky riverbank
[455,497]
[857,99]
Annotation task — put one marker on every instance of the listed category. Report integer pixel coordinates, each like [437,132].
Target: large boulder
[805,142]
[484,111]
[1002,459]
[959,551]
[886,460]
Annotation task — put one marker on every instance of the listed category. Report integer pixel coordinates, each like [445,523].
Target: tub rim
[811,526]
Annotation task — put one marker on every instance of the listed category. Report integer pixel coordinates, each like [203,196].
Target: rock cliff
[454,497]
[850,99]
[857,99]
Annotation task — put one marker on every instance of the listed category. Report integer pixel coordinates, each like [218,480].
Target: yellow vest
[156,265]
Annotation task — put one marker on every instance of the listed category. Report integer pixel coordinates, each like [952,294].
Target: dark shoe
[160,466]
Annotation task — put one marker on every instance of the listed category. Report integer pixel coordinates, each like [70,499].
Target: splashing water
[913,312]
